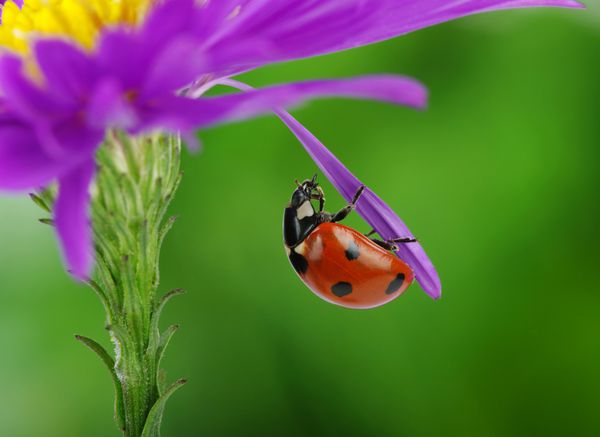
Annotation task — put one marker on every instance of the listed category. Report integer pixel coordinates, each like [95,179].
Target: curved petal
[370,206]
[290,29]
[22,96]
[68,71]
[166,54]
[24,165]
[185,114]
[121,55]
[71,216]
[162,78]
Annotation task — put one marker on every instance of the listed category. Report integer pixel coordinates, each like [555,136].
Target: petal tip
[193,143]
[423,99]
[435,295]
[434,291]
[81,276]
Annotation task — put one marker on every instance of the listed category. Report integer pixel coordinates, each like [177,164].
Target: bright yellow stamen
[80,21]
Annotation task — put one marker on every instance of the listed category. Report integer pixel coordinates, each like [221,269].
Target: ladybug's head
[300,215]
[307,191]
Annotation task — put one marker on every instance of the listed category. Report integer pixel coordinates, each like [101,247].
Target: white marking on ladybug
[287,250]
[386,263]
[301,249]
[316,250]
[305,210]
[342,235]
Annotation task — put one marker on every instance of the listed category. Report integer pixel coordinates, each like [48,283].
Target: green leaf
[154,419]
[110,365]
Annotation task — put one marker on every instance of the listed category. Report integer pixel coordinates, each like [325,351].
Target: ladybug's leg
[372,232]
[404,240]
[389,244]
[343,213]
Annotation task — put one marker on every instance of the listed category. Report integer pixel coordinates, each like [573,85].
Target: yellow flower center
[76,20]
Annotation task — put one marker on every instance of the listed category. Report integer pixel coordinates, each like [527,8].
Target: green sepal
[154,419]
[122,336]
[103,272]
[169,197]
[40,202]
[108,307]
[129,153]
[164,230]
[161,380]
[48,195]
[153,345]
[163,342]
[161,305]
[109,362]
[46,221]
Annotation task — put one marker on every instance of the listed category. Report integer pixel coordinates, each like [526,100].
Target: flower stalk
[136,181]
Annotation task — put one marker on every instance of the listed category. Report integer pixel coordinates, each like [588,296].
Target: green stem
[136,181]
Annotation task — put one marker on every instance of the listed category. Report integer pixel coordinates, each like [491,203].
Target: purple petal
[77,140]
[108,107]
[162,78]
[163,56]
[24,165]
[71,215]
[370,206]
[22,96]
[121,55]
[67,69]
[169,19]
[296,29]
[178,113]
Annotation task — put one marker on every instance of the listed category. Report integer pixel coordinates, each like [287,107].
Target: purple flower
[153,77]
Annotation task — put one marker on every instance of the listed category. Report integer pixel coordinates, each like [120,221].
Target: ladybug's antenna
[297,183]
[314,179]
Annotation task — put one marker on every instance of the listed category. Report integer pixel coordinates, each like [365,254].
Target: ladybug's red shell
[346,268]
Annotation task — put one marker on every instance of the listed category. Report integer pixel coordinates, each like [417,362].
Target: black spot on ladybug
[298,262]
[352,252]
[341,289]
[395,284]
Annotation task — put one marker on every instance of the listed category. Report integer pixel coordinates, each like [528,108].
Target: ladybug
[338,263]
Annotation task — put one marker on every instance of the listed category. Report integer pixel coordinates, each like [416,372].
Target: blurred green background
[499,179]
